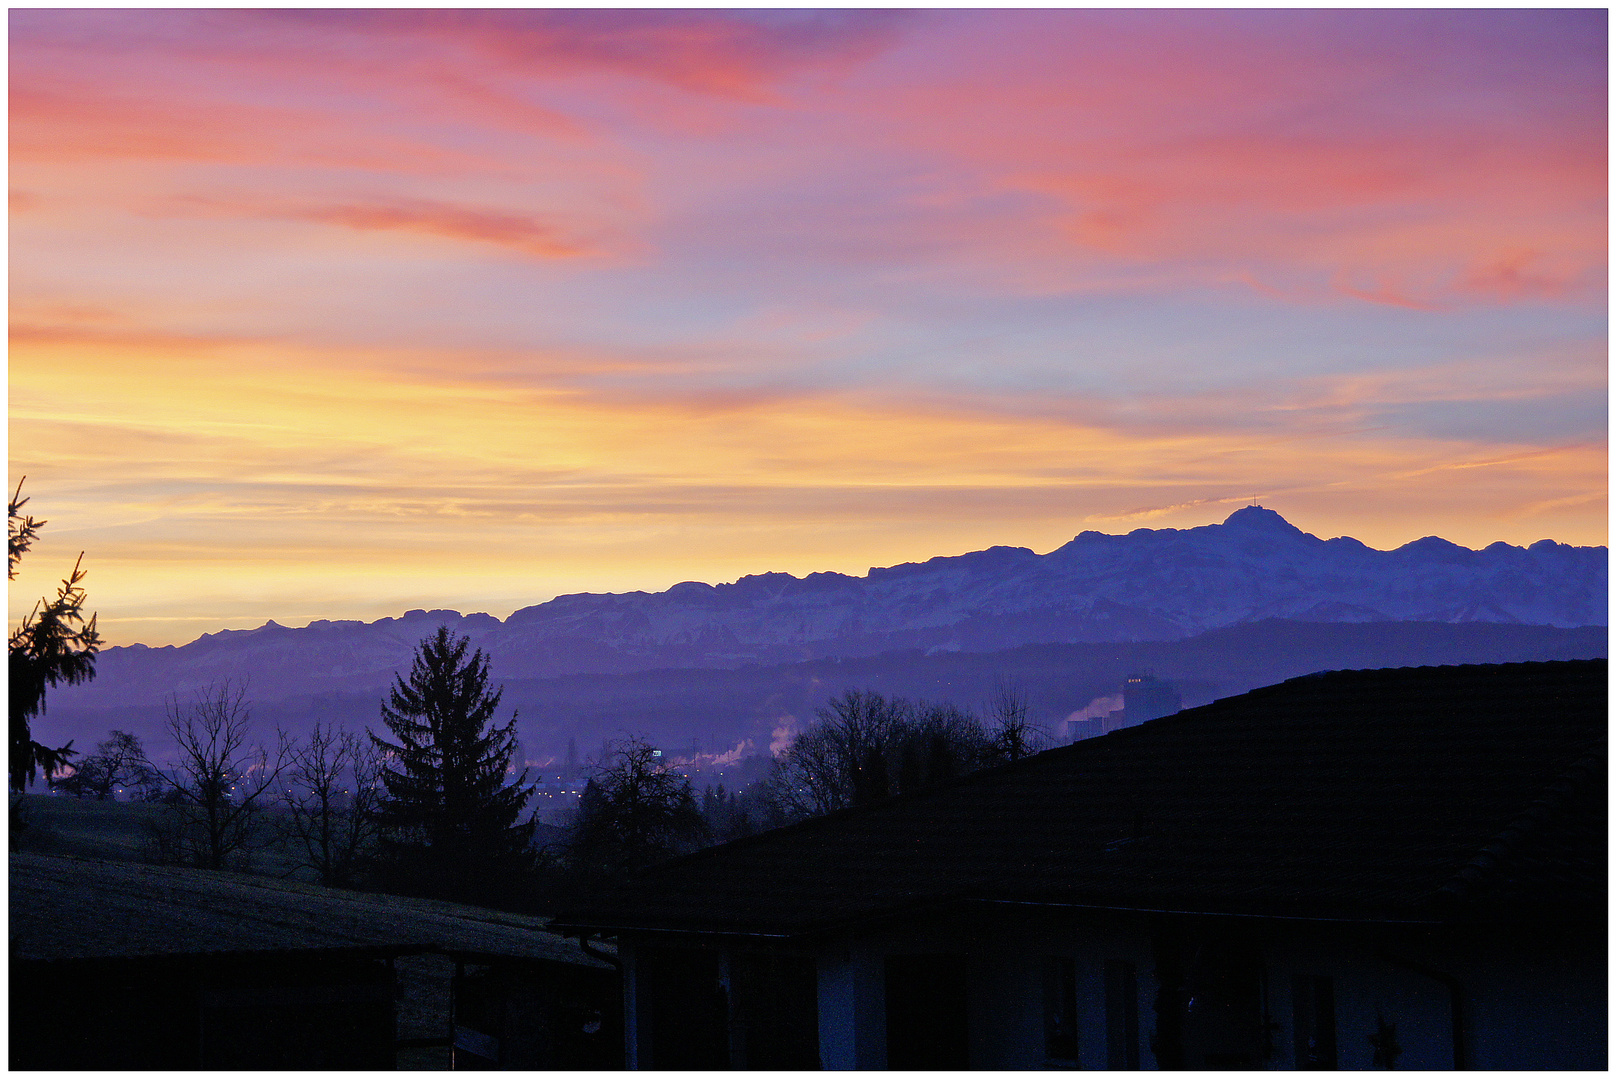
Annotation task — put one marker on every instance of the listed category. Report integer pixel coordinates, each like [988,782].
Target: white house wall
[853,1012]
[1538,1008]
[1006,1002]
[1367,988]
[634,1036]
[1525,1007]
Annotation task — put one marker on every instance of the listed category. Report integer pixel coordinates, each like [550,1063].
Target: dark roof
[65,908]
[1435,792]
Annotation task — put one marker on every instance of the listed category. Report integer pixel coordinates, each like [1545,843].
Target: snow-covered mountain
[1149,585]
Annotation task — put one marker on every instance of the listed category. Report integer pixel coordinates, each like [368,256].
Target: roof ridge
[1481,866]
[1354,795]
[820,821]
[1052,755]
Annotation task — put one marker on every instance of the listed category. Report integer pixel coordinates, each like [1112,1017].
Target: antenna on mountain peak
[1254,502]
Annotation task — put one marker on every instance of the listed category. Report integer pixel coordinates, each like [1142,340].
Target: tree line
[433,803]
[866,747]
[430,804]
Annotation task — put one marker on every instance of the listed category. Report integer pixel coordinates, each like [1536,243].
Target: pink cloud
[726,53]
[1299,149]
[783,736]
[1521,274]
[79,123]
[518,232]
[1391,158]
[530,234]
[135,83]
[1389,220]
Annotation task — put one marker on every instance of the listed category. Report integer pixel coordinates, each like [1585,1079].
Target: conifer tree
[450,816]
[54,645]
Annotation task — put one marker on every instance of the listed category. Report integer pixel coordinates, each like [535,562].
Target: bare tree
[865,747]
[118,762]
[634,811]
[842,760]
[1013,735]
[216,791]
[331,803]
[940,741]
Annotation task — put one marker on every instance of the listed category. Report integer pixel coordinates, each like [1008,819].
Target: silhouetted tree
[734,814]
[952,740]
[450,815]
[841,761]
[333,788]
[865,748]
[634,812]
[1013,736]
[713,801]
[217,790]
[118,762]
[54,645]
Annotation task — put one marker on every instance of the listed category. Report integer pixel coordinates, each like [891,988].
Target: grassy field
[62,825]
[96,829]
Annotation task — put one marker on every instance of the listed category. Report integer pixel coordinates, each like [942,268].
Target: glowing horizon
[326,314]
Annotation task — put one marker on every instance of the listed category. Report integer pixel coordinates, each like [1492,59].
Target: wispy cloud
[527,233]
[516,231]
[491,304]
[728,53]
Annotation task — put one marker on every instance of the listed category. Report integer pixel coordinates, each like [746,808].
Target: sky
[332,314]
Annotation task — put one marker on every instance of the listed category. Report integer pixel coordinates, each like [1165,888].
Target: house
[1353,869]
[118,965]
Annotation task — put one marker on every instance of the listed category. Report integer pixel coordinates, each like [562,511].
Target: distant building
[1086,728]
[1145,697]
[1356,869]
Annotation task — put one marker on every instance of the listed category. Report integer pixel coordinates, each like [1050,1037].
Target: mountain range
[1160,585]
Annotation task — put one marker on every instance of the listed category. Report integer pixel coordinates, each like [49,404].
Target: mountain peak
[1260,519]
